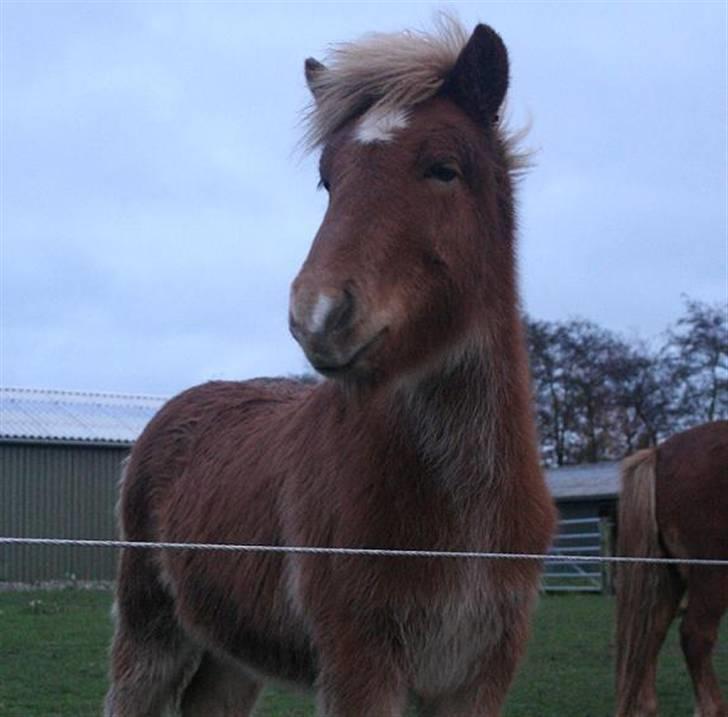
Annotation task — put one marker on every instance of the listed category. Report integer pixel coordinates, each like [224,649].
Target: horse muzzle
[328,329]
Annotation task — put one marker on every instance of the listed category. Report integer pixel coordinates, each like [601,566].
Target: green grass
[53,652]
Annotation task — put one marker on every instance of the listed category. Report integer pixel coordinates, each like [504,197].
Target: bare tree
[643,399]
[599,397]
[590,355]
[573,365]
[548,386]
[697,352]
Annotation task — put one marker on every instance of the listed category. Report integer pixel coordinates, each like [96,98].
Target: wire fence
[371,552]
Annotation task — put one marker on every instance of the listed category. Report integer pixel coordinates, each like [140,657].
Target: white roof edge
[53,414]
[69,394]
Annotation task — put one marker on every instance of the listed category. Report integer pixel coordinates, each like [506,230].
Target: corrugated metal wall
[58,491]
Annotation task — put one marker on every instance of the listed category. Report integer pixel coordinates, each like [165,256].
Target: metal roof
[583,481]
[50,415]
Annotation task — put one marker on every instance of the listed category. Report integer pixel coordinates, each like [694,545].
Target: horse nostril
[318,316]
[341,313]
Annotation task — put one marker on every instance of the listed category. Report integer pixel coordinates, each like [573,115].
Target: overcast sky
[155,209]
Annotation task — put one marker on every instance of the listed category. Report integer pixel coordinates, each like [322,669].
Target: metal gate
[580,536]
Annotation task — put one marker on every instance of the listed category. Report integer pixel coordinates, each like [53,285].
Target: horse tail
[639,586]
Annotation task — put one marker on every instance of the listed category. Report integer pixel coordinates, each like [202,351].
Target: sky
[154,205]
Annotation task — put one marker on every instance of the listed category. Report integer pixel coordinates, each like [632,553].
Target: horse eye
[323,184]
[442,173]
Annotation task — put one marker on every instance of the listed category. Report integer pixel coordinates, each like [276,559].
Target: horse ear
[479,79]
[314,70]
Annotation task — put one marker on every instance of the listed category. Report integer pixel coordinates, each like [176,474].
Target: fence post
[606,550]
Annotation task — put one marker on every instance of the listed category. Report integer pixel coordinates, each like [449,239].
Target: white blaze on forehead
[379,125]
[321,310]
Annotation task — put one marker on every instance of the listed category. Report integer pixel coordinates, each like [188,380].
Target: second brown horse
[674,503]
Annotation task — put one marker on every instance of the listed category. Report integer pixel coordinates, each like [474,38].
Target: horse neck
[470,417]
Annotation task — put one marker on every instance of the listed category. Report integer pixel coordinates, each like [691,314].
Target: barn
[60,458]
[587,490]
[586,496]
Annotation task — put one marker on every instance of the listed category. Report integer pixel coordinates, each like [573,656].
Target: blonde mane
[389,71]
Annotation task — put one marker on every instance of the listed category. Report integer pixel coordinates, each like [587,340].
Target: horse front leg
[342,693]
[359,675]
[218,689]
[485,693]
[483,698]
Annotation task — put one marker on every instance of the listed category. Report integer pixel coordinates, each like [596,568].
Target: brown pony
[674,503]
[420,437]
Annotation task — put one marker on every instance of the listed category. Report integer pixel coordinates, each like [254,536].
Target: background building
[60,461]
[586,496]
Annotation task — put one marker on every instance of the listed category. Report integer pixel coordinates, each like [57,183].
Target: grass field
[53,660]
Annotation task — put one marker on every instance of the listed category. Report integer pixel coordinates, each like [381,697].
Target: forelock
[389,71]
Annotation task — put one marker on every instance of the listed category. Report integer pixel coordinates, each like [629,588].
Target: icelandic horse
[420,436]
[674,503]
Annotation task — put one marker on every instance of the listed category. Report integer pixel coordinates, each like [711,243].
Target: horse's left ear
[479,80]
[314,71]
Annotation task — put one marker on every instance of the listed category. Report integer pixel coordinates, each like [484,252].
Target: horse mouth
[334,370]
